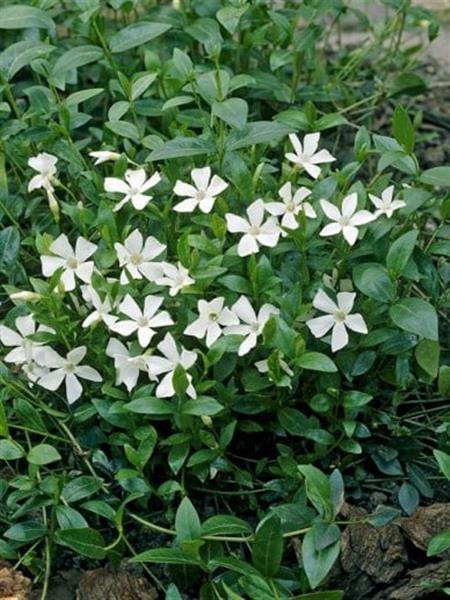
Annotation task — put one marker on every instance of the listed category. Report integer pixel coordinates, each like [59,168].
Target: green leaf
[10,450]
[80,487]
[444,381]
[403,129]
[182,62]
[408,498]
[181,147]
[207,32]
[373,280]
[137,34]
[150,406]
[355,399]
[317,563]
[124,129]
[180,380]
[43,454]
[27,531]
[233,111]
[19,16]
[443,460]
[187,521]
[177,101]
[229,17]
[439,543]
[9,246]
[401,251]
[439,176]
[258,132]
[255,587]
[225,525]
[407,83]
[315,361]
[73,59]
[329,121]
[332,595]
[85,541]
[427,355]
[167,556]
[318,490]
[78,97]
[141,84]
[21,54]
[267,547]
[416,316]
[172,593]
[202,406]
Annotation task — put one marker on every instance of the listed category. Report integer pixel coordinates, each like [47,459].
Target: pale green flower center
[135,259]
[143,322]
[213,316]
[69,367]
[290,207]
[72,263]
[340,316]
[254,230]
[200,195]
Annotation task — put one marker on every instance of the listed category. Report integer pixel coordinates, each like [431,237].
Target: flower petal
[350,234]
[349,204]
[330,229]
[52,381]
[86,372]
[356,323]
[324,303]
[345,301]
[339,337]
[330,210]
[236,224]
[186,206]
[247,245]
[84,249]
[322,157]
[61,246]
[310,143]
[320,326]
[74,388]
[255,212]
[201,178]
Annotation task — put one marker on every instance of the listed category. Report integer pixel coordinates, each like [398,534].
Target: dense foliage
[224,305]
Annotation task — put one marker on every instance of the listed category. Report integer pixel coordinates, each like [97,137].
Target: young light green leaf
[43,454]
[187,521]
[233,111]
[136,34]
[20,16]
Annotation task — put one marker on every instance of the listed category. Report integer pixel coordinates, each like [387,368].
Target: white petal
[26,325]
[227,317]
[244,310]
[349,204]
[339,337]
[356,323]
[168,348]
[86,372]
[362,217]
[248,344]
[151,305]
[345,301]
[124,327]
[312,170]
[188,358]
[387,194]
[67,280]
[350,234]
[76,355]
[320,326]
[247,245]
[145,335]
[50,264]
[324,303]
[84,249]
[309,211]
[214,332]
[154,180]
[152,248]
[9,337]
[61,246]
[113,184]
[201,177]
[331,211]
[73,388]
[296,143]
[255,212]
[140,201]
[186,206]
[330,229]
[285,192]
[206,205]
[165,389]
[184,190]
[377,202]
[217,186]
[116,348]
[310,143]
[130,308]
[134,242]
[52,381]
[236,224]
[276,208]
[322,157]
[197,328]
[84,271]
[162,319]
[135,178]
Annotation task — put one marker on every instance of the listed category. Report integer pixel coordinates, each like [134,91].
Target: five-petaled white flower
[102,156]
[305,155]
[203,194]
[142,321]
[251,325]
[386,205]
[256,232]
[128,366]
[133,188]
[24,349]
[212,316]
[167,364]
[66,369]
[338,318]
[45,165]
[102,308]
[176,277]
[291,206]
[136,257]
[346,221]
[73,263]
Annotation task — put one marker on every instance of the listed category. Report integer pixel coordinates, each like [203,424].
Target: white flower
[128,366]
[66,369]
[45,165]
[346,222]
[212,315]
[136,257]
[73,263]
[25,296]
[255,232]
[203,194]
[33,371]
[102,156]
[133,188]
[263,367]
[102,307]
[291,206]
[306,156]
[252,324]
[386,205]
[172,357]
[338,318]
[176,277]
[142,321]
[24,349]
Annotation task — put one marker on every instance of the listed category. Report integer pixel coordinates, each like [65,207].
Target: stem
[10,97]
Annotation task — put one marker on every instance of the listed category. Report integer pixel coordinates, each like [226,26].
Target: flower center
[344,221]
[254,327]
[213,316]
[72,263]
[340,316]
[69,367]
[135,259]
[254,230]
[291,207]
[200,195]
[143,322]
[134,191]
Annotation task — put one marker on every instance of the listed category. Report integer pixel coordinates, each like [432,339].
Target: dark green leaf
[85,541]
[417,316]
[267,547]
[136,34]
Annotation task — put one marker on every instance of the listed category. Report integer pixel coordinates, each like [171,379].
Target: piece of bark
[103,584]
[370,556]
[13,585]
[425,523]
[417,584]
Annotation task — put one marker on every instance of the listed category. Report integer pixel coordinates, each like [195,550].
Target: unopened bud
[26,296]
